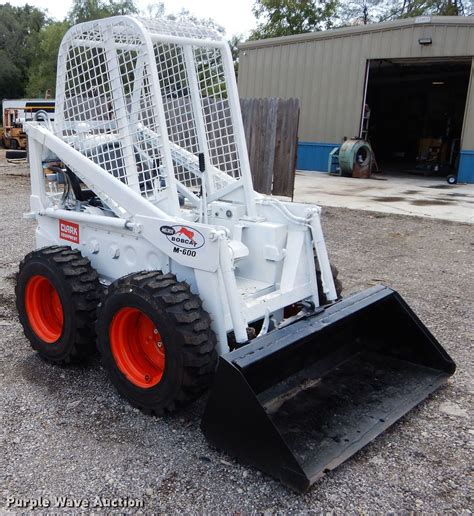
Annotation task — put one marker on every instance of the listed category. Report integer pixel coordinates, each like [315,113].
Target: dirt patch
[430,202]
[440,187]
[388,199]
[460,194]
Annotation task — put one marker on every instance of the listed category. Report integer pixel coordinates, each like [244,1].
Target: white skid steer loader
[152,243]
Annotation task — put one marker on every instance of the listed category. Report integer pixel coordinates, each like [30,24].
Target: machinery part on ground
[135,190]
[333,162]
[15,113]
[57,293]
[325,388]
[15,154]
[355,158]
[452,179]
[156,341]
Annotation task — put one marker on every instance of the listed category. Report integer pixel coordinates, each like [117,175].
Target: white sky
[235,15]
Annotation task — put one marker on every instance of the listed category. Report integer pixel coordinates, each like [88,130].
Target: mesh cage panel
[219,126]
[178,108]
[109,111]
[167,27]
[113,95]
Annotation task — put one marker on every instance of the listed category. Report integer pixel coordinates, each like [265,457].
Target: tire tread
[191,321]
[87,292]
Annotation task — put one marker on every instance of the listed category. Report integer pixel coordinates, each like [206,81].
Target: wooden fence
[271,131]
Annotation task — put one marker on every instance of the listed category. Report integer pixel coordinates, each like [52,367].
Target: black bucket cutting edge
[301,400]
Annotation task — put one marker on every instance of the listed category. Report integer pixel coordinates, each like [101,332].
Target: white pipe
[232,293]
[183,40]
[238,127]
[286,212]
[88,43]
[88,218]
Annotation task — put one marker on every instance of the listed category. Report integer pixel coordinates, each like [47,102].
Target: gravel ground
[65,432]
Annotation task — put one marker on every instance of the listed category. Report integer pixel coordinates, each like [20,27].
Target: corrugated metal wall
[326,71]
[468,130]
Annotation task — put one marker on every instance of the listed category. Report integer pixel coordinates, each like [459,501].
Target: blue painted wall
[314,156]
[466,167]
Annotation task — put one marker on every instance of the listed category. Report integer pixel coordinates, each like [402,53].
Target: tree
[86,10]
[10,77]
[234,43]
[361,12]
[285,17]
[42,73]
[156,10]
[395,9]
[19,32]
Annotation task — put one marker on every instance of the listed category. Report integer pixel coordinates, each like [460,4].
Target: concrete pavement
[417,196]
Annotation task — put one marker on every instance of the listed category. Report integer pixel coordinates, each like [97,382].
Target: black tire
[185,332]
[15,154]
[452,179]
[77,285]
[337,283]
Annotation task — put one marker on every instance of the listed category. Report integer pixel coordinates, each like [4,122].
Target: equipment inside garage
[416,114]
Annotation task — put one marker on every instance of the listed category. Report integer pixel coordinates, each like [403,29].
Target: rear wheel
[156,341]
[57,293]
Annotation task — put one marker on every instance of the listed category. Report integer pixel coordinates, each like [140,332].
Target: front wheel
[156,341]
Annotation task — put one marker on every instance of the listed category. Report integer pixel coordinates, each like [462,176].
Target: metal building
[409,83]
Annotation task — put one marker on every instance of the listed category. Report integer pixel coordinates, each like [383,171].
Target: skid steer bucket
[299,401]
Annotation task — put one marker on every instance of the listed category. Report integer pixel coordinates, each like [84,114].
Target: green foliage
[19,31]
[412,8]
[361,12]
[86,10]
[285,17]
[234,43]
[10,77]
[354,12]
[42,73]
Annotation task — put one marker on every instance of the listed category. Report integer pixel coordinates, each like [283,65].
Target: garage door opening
[416,113]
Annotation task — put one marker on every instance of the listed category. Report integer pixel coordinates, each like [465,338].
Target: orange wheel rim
[44,309]
[137,347]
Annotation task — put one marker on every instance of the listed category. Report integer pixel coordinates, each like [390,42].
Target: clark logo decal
[184,236]
[69,231]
